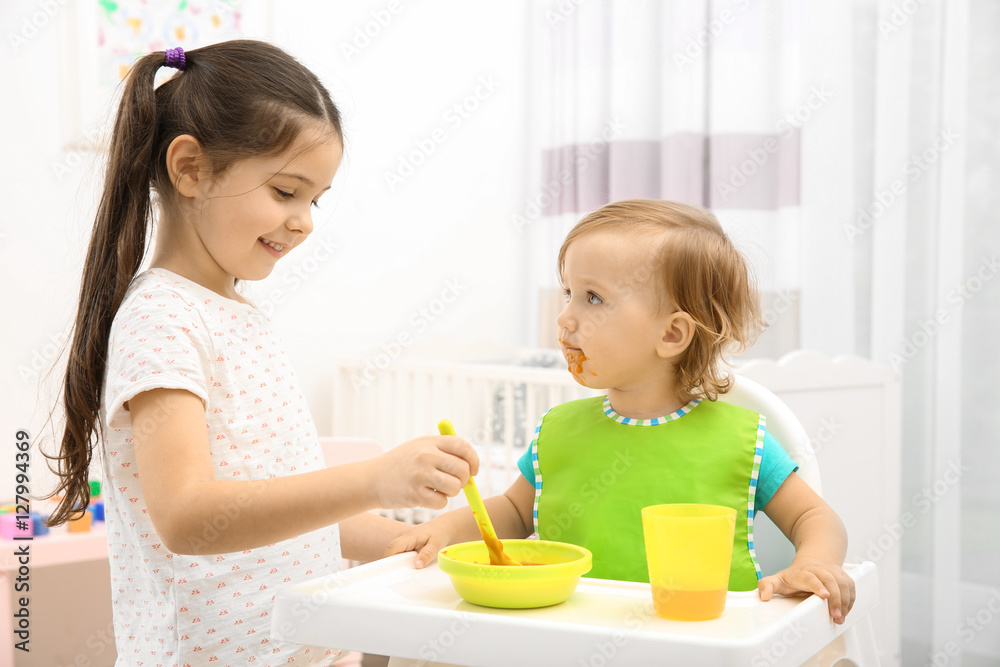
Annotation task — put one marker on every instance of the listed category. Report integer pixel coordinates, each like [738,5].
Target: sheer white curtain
[851,149]
[700,101]
[926,242]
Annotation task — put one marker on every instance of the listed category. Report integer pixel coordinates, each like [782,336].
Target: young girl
[217,492]
[656,293]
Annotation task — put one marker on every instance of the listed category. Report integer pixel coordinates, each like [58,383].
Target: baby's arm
[187,503]
[510,515]
[820,541]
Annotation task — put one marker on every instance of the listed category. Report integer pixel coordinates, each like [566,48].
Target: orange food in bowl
[555,571]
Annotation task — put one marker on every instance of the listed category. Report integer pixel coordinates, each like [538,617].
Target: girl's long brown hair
[239,99]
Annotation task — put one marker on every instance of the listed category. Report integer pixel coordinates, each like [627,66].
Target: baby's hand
[426,539]
[829,582]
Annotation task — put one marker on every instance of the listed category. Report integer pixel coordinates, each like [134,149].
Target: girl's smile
[237,224]
[272,247]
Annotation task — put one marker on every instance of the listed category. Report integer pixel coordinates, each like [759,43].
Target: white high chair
[774,551]
[338,451]
[854,647]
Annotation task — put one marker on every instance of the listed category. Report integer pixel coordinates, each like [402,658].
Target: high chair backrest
[774,551]
[781,423]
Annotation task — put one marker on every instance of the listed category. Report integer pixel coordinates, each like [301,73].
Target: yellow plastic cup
[689,548]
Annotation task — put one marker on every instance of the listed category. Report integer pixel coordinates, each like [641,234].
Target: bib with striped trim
[595,470]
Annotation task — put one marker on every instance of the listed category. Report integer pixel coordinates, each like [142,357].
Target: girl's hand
[423,472]
[427,540]
[829,582]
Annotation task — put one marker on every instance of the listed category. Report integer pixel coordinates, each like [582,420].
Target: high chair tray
[390,608]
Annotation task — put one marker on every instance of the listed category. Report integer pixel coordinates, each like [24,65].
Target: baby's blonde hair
[699,272]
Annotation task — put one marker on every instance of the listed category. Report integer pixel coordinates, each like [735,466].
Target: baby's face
[610,324]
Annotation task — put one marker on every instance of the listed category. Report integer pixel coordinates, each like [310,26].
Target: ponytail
[239,99]
[116,250]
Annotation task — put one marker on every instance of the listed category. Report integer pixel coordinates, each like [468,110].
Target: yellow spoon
[497,556]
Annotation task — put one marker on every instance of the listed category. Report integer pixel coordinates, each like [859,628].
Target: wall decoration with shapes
[102,38]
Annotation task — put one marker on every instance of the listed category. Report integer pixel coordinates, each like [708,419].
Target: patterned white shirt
[171,609]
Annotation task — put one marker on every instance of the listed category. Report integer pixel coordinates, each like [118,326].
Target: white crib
[495,407]
[850,408]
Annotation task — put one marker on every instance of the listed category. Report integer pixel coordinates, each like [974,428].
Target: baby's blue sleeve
[775,467]
[527,466]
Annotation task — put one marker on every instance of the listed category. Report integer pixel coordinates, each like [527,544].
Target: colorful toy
[97,509]
[38,524]
[11,526]
[82,524]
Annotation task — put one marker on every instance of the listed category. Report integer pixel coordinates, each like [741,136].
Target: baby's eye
[315,204]
[566,294]
[284,195]
[593,299]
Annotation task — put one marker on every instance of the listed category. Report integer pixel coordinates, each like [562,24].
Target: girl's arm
[363,537]
[820,541]
[510,515]
[194,513]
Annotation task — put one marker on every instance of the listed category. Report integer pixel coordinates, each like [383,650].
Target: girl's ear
[184,164]
[678,332]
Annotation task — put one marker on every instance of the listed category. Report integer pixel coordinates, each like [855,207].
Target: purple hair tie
[176,58]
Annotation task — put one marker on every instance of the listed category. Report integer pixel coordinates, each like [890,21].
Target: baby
[656,293]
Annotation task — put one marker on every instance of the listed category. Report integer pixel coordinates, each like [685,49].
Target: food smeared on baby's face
[575,359]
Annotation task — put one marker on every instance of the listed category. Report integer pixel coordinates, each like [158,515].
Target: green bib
[599,469]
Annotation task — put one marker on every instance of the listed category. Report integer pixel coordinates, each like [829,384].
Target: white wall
[396,249]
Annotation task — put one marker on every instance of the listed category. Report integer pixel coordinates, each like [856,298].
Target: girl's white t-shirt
[171,609]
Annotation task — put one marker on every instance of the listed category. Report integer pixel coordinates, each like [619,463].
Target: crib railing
[495,407]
